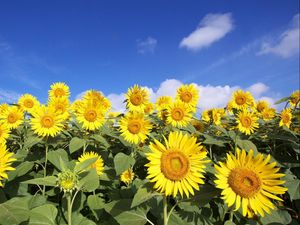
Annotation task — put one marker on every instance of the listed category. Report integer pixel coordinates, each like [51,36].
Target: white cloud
[7,96]
[210,96]
[146,46]
[287,44]
[212,28]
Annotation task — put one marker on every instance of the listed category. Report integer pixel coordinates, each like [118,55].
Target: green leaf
[143,194]
[78,219]
[31,141]
[277,217]
[293,188]
[84,165]
[123,162]
[210,140]
[21,170]
[55,158]
[89,180]
[76,144]
[94,202]
[43,215]
[14,211]
[285,99]
[48,181]
[101,140]
[246,145]
[228,222]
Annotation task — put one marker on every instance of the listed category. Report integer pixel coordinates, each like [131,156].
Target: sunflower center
[240,100]
[246,121]
[28,103]
[285,118]
[174,165]
[244,182]
[260,107]
[59,92]
[186,96]
[177,114]
[134,127]
[47,121]
[60,107]
[136,99]
[12,118]
[90,115]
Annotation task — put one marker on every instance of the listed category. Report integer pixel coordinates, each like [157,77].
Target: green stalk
[45,167]
[69,209]
[165,208]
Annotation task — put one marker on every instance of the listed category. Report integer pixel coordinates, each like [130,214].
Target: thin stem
[231,215]
[45,167]
[165,208]
[69,209]
[171,210]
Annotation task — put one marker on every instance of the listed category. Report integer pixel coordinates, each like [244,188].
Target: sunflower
[12,117]
[4,132]
[96,99]
[249,182]
[76,105]
[137,98]
[295,98]
[58,90]
[247,122]
[189,95]
[67,181]
[268,114]
[262,105]
[98,165]
[61,106]
[149,108]
[127,176]
[207,115]
[286,118]
[241,99]
[177,166]
[46,122]
[178,115]
[3,107]
[198,125]
[163,102]
[217,115]
[135,127]
[28,102]
[92,118]
[6,160]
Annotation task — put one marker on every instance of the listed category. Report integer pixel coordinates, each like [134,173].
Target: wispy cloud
[287,44]
[212,28]
[7,96]
[147,45]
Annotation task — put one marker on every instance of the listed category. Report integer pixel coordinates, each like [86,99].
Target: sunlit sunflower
[149,108]
[58,90]
[4,132]
[91,118]
[97,99]
[67,181]
[127,176]
[207,115]
[137,98]
[3,107]
[217,115]
[61,106]
[12,117]
[178,115]
[46,122]
[247,122]
[6,160]
[189,95]
[163,102]
[98,165]
[249,182]
[242,100]
[162,114]
[295,98]
[198,125]
[176,166]
[262,105]
[28,102]
[268,114]
[76,105]
[286,118]
[135,127]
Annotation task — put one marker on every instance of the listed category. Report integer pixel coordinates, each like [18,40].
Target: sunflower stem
[231,215]
[69,209]
[165,208]
[45,167]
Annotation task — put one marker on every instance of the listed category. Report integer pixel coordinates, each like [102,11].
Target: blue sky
[112,45]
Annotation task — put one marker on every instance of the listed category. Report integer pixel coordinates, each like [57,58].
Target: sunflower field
[162,163]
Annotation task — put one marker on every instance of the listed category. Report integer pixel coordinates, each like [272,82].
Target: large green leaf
[123,162]
[277,217]
[94,202]
[43,215]
[21,170]
[56,156]
[143,194]
[89,181]
[84,165]
[76,144]
[101,140]
[48,181]
[246,145]
[293,188]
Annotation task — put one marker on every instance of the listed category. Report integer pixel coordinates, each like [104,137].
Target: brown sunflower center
[12,118]
[186,96]
[28,103]
[174,165]
[90,115]
[60,107]
[246,121]
[134,127]
[240,100]
[285,118]
[244,182]
[177,114]
[136,99]
[59,92]
[260,107]
[47,121]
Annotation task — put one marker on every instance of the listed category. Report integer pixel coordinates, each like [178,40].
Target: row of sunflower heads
[249,183]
